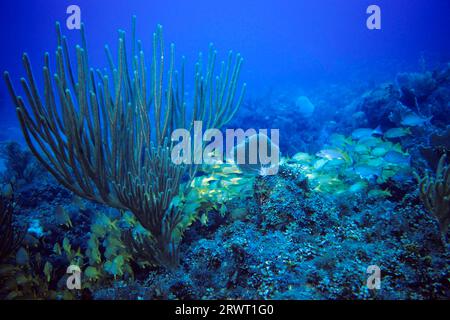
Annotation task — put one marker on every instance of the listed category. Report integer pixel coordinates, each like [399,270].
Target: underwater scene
[225,150]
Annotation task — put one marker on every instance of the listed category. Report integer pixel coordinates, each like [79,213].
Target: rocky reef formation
[309,232]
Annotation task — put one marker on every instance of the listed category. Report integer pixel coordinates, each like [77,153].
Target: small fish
[332,154]
[362,133]
[397,133]
[48,271]
[397,158]
[379,193]
[57,249]
[113,242]
[339,140]
[319,164]
[205,181]
[229,169]
[369,141]
[367,172]
[386,175]
[312,175]
[66,246]
[358,187]
[362,149]
[386,145]
[92,273]
[379,151]
[62,217]
[366,132]
[326,179]
[204,219]
[115,267]
[402,174]
[412,120]
[107,222]
[334,164]
[93,252]
[376,162]
[130,221]
[302,157]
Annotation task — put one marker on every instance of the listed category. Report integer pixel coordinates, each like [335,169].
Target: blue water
[283,42]
[320,49]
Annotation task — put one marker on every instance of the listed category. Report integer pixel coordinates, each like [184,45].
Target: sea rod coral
[106,134]
[435,194]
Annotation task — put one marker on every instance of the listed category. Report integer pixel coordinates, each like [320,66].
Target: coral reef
[107,198]
[110,142]
[435,194]
[21,167]
[297,244]
[10,237]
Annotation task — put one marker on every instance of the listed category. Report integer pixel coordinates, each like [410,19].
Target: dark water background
[286,44]
[341,202]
